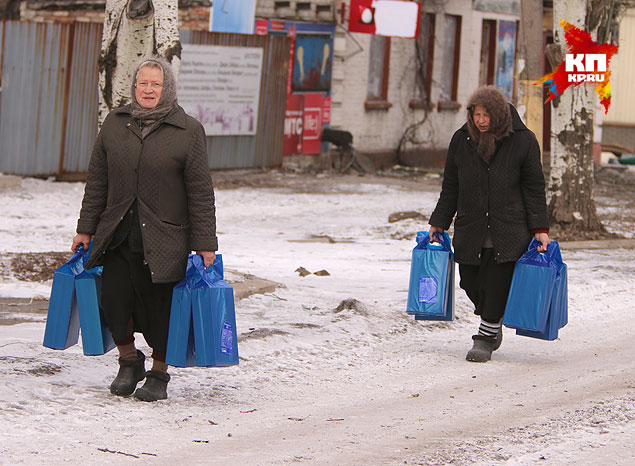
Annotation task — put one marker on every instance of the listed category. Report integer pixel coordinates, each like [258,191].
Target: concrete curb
[9,181]
[626,243]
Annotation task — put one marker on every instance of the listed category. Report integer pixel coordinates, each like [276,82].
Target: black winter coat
[507,196]
[168,174]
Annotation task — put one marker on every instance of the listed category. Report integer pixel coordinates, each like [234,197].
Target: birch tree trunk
[572,209]
[133,30]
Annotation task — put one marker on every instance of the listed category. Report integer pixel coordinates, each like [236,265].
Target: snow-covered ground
[365,385]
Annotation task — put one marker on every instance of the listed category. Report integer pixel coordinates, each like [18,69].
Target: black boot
[482,349]
[130,373]
[155,387]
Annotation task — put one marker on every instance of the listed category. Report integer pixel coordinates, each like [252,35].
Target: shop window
[450,64]
[378,67]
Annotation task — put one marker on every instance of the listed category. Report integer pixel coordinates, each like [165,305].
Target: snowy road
[359,386]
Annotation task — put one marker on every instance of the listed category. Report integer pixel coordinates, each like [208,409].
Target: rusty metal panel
[270,136]
[265,148]
[82,106]
[34,71]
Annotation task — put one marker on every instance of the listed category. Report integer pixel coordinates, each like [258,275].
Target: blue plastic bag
[74,306]
[62,321]
[202,320]
[537,301]
[96,338]
[180,349]
[431,288]
[558,310]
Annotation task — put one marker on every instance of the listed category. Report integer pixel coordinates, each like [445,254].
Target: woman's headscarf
[150,118]
[500,123]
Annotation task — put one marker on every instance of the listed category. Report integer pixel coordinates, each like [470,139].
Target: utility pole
[531,50]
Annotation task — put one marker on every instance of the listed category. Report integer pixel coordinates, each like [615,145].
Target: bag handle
[552,254]
[196,269]
[423,240]
[78,260]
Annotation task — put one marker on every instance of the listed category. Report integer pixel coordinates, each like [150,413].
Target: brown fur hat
[500,126]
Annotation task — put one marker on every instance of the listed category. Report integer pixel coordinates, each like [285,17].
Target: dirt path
[537,403]
[319,386]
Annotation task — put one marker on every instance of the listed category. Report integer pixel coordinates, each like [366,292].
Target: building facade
[402,99]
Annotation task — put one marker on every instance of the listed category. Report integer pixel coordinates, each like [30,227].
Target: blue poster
[505,56]
[232,16]
[312,63]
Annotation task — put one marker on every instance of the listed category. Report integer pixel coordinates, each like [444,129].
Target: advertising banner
[505,53]
[312,124]
[220,87]
[313,63]
[391,18]
[232,16]
[293,125]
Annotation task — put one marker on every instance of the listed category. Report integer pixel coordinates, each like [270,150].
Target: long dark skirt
[131,302]
[487,285]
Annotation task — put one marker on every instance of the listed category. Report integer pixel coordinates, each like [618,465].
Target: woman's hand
[435,232]
[542,238]
[81,238]
[208,257]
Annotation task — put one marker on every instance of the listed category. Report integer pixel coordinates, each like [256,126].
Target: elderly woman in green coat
[148,202]
[494,190]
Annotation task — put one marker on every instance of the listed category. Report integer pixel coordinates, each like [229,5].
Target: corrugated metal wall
[34,72]
[48,98]
[265,148]
[83,99]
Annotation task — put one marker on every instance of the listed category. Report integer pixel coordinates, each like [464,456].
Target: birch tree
[134,29]
[572,208]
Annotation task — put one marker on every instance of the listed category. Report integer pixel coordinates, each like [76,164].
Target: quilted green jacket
[167,173]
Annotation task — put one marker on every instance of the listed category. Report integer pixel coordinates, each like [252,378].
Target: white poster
[220,87]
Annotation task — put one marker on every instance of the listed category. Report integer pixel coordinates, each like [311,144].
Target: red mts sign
[312,124]
[293,125]
[326,110]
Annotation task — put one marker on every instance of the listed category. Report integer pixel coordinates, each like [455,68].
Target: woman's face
[481,118]
[148,87]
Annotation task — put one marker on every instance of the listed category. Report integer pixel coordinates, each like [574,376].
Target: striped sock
[487,329]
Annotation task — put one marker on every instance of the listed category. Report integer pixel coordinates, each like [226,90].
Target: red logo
[586,62]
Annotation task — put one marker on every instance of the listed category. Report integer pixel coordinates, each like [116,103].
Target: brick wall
[196,17]
[192,15]
[307,10]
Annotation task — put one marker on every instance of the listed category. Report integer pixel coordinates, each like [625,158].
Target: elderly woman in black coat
[148,202]
[493,183]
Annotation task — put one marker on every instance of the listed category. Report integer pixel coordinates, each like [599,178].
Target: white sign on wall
[220,87]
